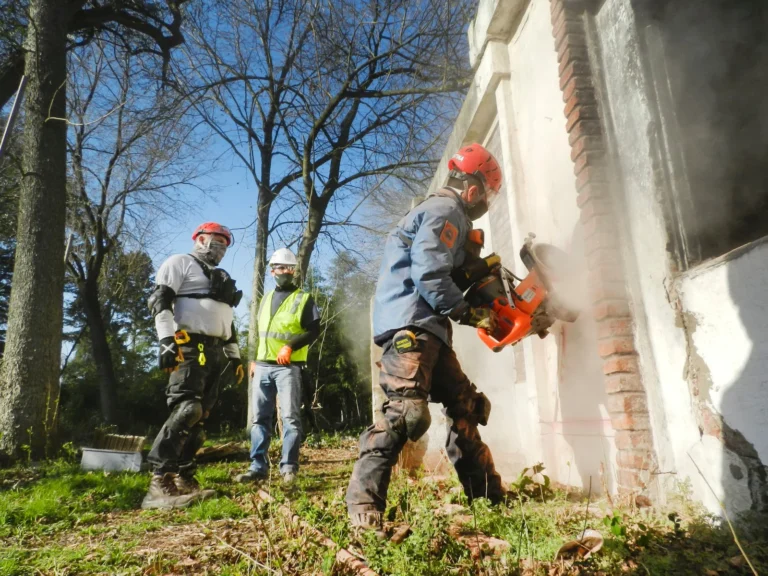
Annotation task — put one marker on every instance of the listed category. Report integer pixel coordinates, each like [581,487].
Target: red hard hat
[477,161]
[213,228]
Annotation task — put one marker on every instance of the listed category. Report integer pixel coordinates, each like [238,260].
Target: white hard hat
[283,256]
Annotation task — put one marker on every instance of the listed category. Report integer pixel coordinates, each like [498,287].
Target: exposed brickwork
[627,401]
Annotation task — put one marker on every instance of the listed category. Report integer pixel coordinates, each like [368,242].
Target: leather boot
[188,485]
[163,493]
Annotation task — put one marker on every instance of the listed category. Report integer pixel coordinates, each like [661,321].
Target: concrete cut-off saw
[524,306]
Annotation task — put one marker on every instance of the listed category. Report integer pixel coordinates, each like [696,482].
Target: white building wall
[548,399]
[701,334]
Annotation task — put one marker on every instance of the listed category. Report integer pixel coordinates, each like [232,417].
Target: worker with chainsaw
[192,304]
[288,322]
[416,299]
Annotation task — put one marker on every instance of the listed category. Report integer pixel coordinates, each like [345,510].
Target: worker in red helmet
[192,303]
[416,299]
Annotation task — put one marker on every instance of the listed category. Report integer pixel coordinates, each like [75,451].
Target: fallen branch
[343,556]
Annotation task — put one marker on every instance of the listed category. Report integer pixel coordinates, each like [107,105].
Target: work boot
[250,476]
[163,493]
[364,521]
[289,478]
[188,485]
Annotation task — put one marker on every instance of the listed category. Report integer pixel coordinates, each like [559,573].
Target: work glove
[484,318]
[284,355]
[169,352]
[238,372]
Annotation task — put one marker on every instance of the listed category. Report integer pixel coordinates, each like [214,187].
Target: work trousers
[191,393]
[275,383]
[432,373]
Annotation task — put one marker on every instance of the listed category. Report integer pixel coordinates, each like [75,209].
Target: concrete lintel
[479,107]
[496,20]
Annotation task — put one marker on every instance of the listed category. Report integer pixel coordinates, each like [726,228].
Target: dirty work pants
[272,384]
[431,372]
[192,392]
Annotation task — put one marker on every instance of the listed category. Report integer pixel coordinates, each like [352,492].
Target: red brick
[627,421]
[589,159]
[592,209]
[594,191]
[600,223]
[577,84]
[574,70]
[633,440]
[580,114]
[607,272]
[612,346]
[567,41]
[634,460]
[585,128]
[711,423]
[570,32]
[598,240]
[630,480]
[570,54]
[579,98]
[560,17]
[586,144]
[556,8]
[623,363]
[626,402]
[612,327]
[603,258]
[610,309]
[601,290]
[590,174]
[623,383]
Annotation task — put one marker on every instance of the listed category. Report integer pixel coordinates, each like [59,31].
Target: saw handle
[514,325]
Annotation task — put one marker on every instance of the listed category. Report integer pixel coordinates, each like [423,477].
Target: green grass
[66,496]
[57,519]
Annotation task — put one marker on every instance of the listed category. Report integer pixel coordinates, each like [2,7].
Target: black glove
[169,351]
[484,318]
[482,409]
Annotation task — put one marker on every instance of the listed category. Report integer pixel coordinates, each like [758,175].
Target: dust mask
[210,251]
[283,280]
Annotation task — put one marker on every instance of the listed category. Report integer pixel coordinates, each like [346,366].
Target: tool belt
[183,337]
[200,341]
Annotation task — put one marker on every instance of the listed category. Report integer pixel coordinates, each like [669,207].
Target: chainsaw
[523,306]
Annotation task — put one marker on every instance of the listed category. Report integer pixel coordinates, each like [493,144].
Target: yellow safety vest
[275,331]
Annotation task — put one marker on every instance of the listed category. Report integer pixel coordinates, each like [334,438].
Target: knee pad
[416,417]
[186,415]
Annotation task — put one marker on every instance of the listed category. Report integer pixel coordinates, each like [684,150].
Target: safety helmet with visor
[474,164]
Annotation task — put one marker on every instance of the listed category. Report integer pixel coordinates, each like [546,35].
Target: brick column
[626,402]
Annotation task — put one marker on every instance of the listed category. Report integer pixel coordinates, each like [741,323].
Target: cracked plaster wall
[702,335]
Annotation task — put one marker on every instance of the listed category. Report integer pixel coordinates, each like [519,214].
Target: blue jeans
[283,382]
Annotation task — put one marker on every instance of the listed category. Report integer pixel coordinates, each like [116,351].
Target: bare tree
[148,25]
[132,151]
[30,369]
[240,71]
[322,102]
[383,80]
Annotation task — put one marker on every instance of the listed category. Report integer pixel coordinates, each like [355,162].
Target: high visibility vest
[275,331]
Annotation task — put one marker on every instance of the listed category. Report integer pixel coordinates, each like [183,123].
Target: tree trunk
[29,378]
[102,355]
[259,270]
[317,208]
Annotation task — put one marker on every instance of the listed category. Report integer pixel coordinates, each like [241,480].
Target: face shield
[487,199]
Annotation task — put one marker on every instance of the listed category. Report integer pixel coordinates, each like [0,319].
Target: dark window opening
[716,60]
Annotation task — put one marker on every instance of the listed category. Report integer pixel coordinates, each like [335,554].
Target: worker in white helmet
[288,322]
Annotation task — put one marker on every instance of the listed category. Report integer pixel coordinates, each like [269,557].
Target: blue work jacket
[415,288]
